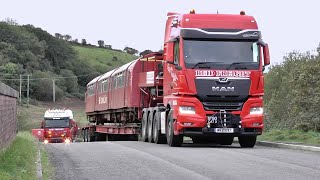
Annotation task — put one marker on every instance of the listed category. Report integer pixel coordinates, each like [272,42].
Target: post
[28,91]
[54,90]
[20,89]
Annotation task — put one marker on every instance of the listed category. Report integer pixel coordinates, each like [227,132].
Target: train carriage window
[114,82]
[105,85]
[120,80]
[99,87]
[91,90]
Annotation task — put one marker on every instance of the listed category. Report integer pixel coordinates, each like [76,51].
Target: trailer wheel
[85,135]
[144,123]
[157,136]
[150,125]
[247,141]
[172,140]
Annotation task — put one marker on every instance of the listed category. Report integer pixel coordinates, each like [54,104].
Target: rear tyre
[172,140]
[226,140]
[144,125]
[247,141]
[157,136]
[150,125]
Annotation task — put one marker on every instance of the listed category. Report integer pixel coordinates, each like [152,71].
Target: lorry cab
[59,126]
[213,76]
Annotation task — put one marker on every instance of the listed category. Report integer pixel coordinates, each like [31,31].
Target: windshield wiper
[200,63]
[236,63]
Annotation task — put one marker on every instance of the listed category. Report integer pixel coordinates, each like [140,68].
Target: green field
[103,59]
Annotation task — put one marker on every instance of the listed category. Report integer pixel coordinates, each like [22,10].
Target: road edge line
[288,146]
[39,166]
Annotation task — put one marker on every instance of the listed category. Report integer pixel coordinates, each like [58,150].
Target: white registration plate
[223,130]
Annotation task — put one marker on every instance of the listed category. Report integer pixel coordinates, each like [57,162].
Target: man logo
[223,80]
[226,89]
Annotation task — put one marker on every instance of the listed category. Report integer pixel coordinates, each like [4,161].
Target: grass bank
[18,161]
[291,136]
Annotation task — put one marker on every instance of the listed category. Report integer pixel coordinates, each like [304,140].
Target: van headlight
[187,110]
[256,110]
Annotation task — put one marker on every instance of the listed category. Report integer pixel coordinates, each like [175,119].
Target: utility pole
[28,90]
[20,88]
[54,90]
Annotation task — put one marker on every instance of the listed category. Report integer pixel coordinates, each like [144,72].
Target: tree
[71,81]
[84,42]
[58,35]
[75,41]
[130,50]
[145,52]
[101,43]
[67,37]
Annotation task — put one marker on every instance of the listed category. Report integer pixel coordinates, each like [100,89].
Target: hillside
[103,59]
[26,50]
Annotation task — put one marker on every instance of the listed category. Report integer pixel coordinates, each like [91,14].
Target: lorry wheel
[172,140]
[143,136]
[85,135]
[247,141]
[157,136]
[150,119]
[226,140]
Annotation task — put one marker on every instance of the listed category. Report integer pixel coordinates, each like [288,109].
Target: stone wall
[8,114]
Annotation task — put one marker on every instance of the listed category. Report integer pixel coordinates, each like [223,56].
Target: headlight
[256,110]
[186,110]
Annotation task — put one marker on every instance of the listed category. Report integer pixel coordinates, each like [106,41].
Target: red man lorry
[207,84]
[58,126]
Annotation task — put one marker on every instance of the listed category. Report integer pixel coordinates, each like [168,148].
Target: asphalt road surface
[139,160]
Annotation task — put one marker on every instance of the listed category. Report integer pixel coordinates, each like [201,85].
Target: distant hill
[28,50]
[103,59]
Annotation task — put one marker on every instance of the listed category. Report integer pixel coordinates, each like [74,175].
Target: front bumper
[211,132]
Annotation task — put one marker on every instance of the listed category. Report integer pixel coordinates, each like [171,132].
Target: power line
[49,78]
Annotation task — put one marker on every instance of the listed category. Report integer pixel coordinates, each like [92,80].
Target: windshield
[221,54]
[57,122]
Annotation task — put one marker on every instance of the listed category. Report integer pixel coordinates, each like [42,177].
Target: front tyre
[172,140]
[247,141]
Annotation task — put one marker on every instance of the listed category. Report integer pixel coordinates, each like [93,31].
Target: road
[139,160]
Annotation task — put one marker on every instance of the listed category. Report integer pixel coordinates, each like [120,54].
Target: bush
[292,93]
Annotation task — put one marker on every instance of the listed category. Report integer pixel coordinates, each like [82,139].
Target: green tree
[101,43]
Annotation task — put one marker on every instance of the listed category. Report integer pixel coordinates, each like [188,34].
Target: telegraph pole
[54,90]
[20,88]
[28,90]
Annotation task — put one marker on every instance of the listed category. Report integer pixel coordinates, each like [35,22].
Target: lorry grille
[214,106]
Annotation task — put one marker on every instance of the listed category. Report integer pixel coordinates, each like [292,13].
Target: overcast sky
[286,25]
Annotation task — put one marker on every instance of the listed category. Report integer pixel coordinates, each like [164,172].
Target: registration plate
[223,130]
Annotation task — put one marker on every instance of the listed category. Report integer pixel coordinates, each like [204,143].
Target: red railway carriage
[116,96]
[90,95]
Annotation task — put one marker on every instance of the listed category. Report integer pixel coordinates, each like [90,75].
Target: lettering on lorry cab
[222,73]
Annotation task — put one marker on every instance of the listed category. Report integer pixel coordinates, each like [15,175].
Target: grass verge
[291,136]
[18,160]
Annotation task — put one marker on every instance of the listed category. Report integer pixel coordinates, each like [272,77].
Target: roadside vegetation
[292,97]
[18,160]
